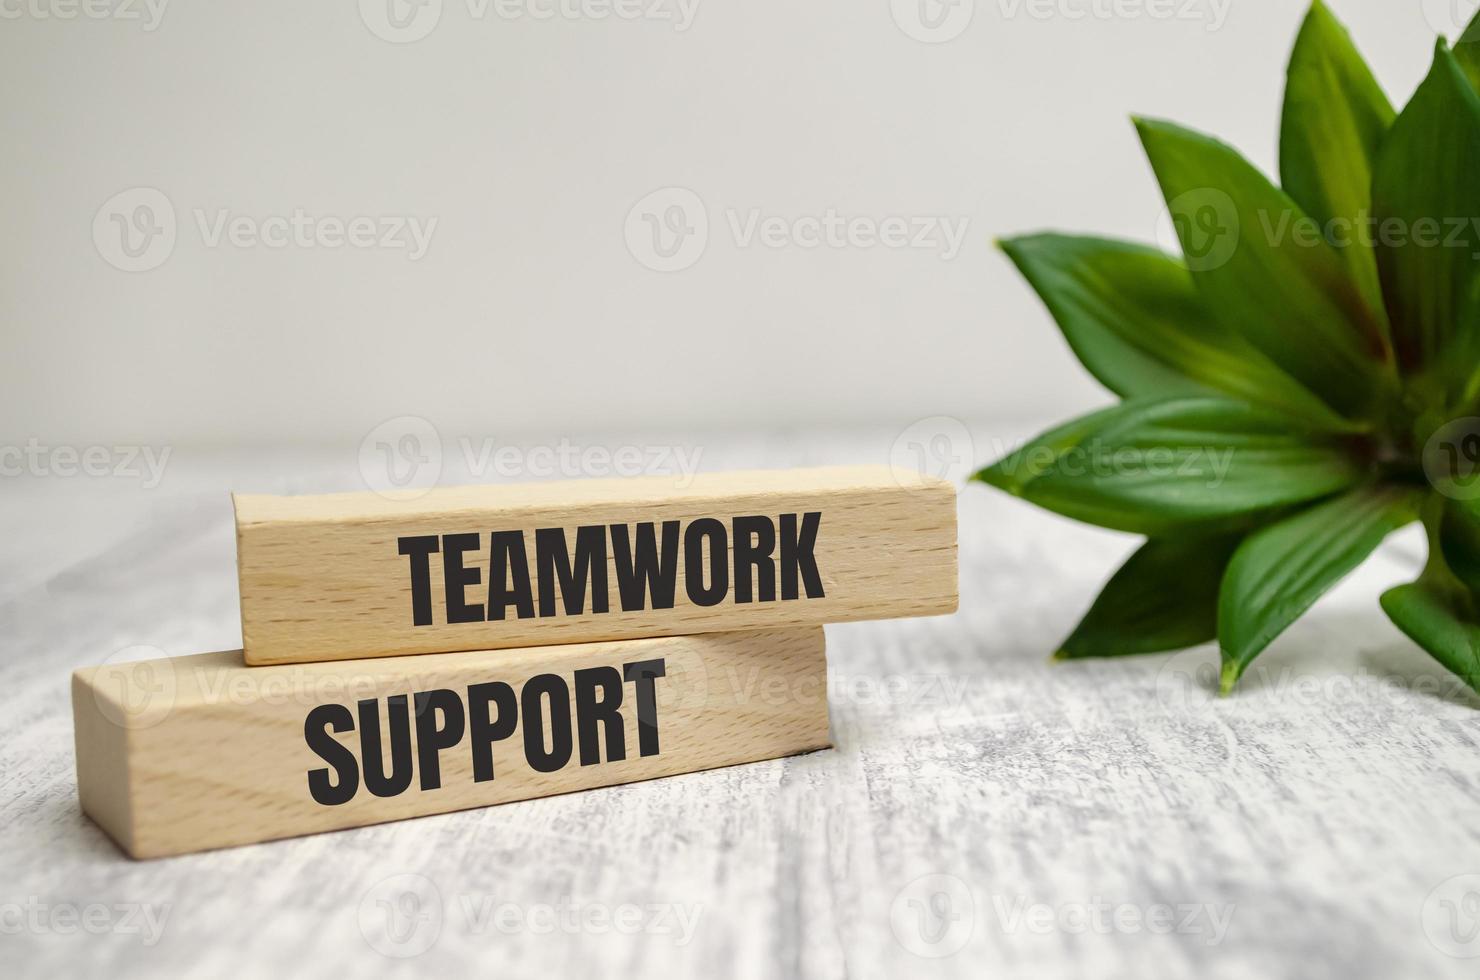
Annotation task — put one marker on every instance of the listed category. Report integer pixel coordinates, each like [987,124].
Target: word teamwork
[347,576]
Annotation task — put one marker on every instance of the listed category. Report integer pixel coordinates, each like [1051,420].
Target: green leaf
[1157,466]
[1164,598]
[1016,470]
[1280,571]
[1426,203]
[1264,268]
[1463,356]
[1134,318]
[1467,52]
[1459,541]
[1439,622]
[1334,121]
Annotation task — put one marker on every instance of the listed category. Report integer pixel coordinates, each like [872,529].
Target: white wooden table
[985,813]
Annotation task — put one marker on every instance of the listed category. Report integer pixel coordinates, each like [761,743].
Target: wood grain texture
[325,577]
[192,753]
[1327,801]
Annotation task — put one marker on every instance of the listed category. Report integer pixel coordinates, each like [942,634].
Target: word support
[480,716]
[168,765]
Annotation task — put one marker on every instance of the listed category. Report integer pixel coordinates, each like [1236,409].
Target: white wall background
[529,141]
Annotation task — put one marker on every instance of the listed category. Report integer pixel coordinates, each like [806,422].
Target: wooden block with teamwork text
[191,753]
[356,575]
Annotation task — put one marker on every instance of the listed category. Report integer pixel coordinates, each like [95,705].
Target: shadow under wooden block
[191,753]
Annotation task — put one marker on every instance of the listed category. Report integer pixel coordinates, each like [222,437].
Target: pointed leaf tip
[1134,318]
[1335,118]
[1165,597]
[1158,466]
[1293,303]
[1433,620]
[995,476]
[1424,175]
[1280,572]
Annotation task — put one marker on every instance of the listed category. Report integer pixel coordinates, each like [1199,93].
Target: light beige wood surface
[192,753]
[325,577]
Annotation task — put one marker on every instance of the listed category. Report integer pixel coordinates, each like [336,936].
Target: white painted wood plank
[1318,810]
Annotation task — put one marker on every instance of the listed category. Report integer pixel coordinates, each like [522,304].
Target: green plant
[1301,383]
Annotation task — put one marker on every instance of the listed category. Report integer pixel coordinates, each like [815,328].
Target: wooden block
[193,753]
[478,568]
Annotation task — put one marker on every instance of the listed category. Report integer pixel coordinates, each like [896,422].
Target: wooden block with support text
[358,575]
[192,753]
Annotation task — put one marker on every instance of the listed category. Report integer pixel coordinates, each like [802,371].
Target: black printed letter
[316,733]
[419,550]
